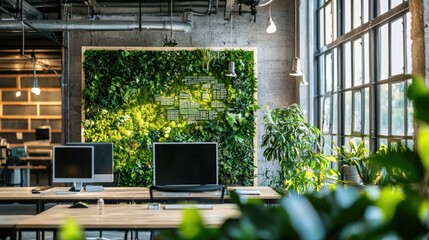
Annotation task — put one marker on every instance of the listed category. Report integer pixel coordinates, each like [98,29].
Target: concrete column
[426,36]
[419,36]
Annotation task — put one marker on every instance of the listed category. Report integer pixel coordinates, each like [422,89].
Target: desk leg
[40,206]
[25,177]
[50,173]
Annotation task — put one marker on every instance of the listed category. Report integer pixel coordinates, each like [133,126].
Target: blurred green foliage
[70,230]
[398,209]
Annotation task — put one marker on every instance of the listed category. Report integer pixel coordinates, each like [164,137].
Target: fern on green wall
[135,98]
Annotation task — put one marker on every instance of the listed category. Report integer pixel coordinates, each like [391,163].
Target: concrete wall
[426,37]
[275,53]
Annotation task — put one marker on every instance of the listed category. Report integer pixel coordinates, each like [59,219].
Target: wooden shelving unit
[24,113]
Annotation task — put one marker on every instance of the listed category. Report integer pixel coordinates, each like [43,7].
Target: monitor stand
[77,187]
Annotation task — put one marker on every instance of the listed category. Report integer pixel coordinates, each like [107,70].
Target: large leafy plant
[120,106]
[292,141]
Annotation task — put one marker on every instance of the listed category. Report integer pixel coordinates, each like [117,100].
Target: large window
[364,63]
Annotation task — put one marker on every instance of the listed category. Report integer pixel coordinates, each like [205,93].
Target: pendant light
[271,27]
[296,67]
[35,89]
[231,64]
[296,64]
[231,70]
[18,93]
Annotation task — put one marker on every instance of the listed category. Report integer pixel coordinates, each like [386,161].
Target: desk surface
[134,194]
[123,216]
[17,194]
[109,193]
[266,193]
[10,221]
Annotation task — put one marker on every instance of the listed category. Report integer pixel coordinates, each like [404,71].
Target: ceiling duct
[91,25]
[29,11]
[256,3]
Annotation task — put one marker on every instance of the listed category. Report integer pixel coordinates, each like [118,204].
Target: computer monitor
[103,160]
[43,133]
[183,164]
[73,164]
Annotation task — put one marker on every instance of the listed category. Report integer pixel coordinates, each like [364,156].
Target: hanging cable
[231,64]
[171,19]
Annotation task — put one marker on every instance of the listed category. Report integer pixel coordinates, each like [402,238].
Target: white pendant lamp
[35,89]
[271,27]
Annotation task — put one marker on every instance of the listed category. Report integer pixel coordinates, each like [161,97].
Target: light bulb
[36,90]
[271,27]
[18,94]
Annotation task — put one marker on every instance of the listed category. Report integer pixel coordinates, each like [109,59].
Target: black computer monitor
[73,164]
[183,164]
[103,160]
[43,133]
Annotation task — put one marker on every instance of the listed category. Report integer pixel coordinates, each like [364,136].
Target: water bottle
[100,206]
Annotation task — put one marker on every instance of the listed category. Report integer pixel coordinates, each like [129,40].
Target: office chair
[188,189]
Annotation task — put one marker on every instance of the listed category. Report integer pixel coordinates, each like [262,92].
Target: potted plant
[356,167]
[295,143]
[349,159]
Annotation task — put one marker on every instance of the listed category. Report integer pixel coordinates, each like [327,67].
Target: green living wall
[134,98]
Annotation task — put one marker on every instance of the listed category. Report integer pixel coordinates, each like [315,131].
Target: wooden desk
[21,195]
[8,225]
[123,217]
[17,194]
[109,195]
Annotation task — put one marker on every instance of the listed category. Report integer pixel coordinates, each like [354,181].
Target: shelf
[24,113]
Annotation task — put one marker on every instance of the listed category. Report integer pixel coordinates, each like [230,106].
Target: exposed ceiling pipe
[97,25]
[212,8]
[29,11]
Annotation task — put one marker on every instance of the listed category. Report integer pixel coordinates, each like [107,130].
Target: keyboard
[175,194]
[66,192]
[188,206]
[247,192]
[41,189]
